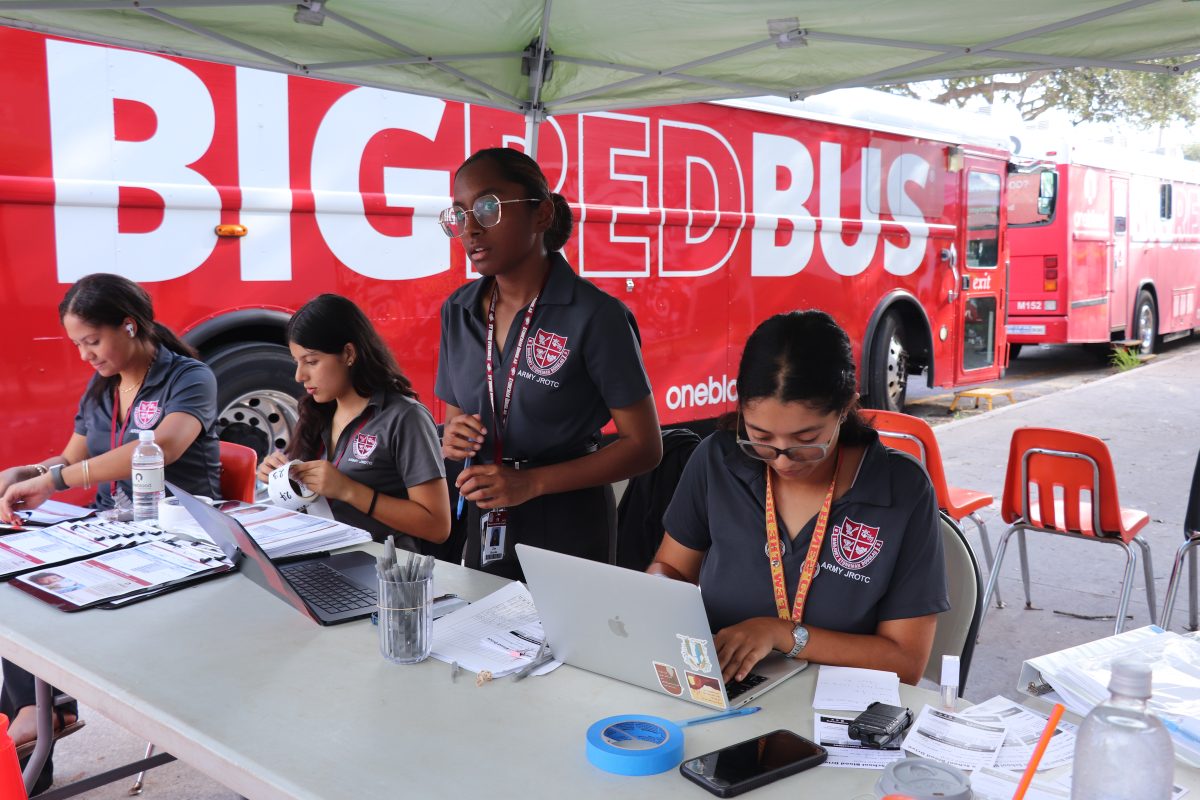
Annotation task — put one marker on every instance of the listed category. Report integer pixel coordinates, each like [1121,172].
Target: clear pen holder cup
[405,620]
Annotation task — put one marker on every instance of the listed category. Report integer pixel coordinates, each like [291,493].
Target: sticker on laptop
[695,653]
[705,689]
[668,678]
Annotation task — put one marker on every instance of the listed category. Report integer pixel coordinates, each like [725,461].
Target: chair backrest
[12,785]
[957,628]
[640,512]
[1191,520]
[238,466]
[913,436]
[1073,477]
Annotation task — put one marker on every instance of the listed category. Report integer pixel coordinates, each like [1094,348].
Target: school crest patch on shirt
[855,545]
[546,352]
[147,413]
[363,445]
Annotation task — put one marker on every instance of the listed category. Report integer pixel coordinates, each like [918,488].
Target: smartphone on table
[756,762]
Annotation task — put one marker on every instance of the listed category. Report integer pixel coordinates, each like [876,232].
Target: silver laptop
[638,628]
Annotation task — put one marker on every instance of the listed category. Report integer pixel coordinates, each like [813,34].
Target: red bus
[1118,259]
[703,218]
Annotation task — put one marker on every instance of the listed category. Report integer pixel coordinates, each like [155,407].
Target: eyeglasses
[800,452]
[486,210]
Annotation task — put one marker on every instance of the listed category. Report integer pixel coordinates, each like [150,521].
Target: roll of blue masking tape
[635,745]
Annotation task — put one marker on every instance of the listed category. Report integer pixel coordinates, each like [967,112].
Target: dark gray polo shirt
[881,559]
[174,383]
[391,445]
[582,356]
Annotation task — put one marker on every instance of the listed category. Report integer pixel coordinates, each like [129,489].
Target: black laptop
[327,589]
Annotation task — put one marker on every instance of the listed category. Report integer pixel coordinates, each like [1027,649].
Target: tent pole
[532,125]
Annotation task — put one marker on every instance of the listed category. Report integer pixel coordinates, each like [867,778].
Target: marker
[737,712]
[461,499]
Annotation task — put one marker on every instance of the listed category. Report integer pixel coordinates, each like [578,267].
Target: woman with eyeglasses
[534,361]
[806,534]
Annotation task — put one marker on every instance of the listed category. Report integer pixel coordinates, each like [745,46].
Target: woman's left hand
[323,478]
[741,646]
[25,495]
[489,486]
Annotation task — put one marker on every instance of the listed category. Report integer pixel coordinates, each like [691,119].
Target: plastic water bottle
[148,468]
[1123,752]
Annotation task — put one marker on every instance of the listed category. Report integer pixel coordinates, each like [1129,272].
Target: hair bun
[562,224]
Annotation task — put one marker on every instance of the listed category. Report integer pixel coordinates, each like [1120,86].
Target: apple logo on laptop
[618,627]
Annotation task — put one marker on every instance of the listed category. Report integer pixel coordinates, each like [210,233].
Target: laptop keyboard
[735,688]
[326,589]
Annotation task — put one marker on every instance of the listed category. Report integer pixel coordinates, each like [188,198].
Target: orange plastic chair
[12,784]
[914,436]
[1063,483]
[238,466]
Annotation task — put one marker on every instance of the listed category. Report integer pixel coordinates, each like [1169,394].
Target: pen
[541,657]
[461,499]
[737,712]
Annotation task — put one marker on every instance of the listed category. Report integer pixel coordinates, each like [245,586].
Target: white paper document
[281,532]
[500,633]
[831,733]
[31,549]
[853,689]
[53,512]
[995,784]
[1025,728]
[954,739]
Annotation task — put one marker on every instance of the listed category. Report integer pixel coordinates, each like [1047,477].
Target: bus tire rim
[258,419]
[1146,327]
[897,367]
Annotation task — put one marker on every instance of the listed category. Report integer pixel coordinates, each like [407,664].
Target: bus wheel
[1014,350]
[256,395]
[1145,320]
[887,383]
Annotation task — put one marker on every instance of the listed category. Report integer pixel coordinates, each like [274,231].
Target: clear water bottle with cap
[148,468]
[1123,752]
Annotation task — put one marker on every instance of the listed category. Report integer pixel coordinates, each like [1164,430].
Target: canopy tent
[543,57]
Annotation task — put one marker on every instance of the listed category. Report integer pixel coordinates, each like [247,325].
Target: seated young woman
[806,534]
[365,442]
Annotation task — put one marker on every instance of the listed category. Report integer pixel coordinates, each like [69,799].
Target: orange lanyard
[775,554]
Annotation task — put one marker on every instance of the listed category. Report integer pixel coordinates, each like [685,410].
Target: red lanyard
[501,421]
[114,439]
[810,561]
[346,446]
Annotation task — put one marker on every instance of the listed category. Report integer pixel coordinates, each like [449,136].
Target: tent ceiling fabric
[608,54]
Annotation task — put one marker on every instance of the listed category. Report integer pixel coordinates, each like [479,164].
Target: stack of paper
[281,532]
[500,633]
[1023,731]
[1078,678]
[851,689]
[53,512]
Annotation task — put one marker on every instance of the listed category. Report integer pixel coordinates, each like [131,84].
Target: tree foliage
[1142,99]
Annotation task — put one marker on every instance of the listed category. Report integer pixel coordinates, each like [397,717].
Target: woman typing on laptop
[366,444]
[805,533]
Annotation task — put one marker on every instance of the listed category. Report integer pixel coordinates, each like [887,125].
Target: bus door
[1118,247]
[978,342]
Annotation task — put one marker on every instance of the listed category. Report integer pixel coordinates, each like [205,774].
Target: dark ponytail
[804,357]
[327,323]
[105,300]
[516,167]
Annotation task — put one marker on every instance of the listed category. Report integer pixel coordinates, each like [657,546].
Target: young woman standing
[534,361]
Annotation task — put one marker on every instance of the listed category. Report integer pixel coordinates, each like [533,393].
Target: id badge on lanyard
[493,525]
[493,530]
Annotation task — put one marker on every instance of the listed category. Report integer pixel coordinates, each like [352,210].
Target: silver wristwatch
[57,478]
[800,637]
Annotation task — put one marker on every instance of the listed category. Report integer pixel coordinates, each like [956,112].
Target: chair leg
[1186,552]
[1131,559]
[136,788]
[987,549]
[1024,567]
[1148,569]
[994,577]
[1193,607]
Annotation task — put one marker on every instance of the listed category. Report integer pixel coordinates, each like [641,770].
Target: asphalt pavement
[1147,416]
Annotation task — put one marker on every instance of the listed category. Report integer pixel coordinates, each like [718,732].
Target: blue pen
[461,499]
[737,712]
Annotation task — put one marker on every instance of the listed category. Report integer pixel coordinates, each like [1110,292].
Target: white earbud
[129,327]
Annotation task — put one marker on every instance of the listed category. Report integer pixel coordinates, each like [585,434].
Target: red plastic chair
[914,436]
[12,784]
[1063,483]
[238,466]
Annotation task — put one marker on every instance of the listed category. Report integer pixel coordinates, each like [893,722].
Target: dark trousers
[576,523]
[16,693]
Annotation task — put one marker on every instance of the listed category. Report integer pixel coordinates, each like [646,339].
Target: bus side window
[1164,201]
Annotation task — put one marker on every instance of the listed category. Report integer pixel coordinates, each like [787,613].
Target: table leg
[45,733]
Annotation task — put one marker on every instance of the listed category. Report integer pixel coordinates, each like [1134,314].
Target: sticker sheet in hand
[294,495]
